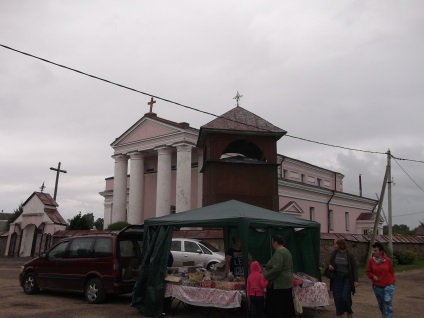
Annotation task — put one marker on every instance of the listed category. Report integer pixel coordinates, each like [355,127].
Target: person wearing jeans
[380,271]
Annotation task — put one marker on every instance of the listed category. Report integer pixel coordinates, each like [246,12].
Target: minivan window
[103,247]
[127,249]
[59,250]
[191,247]
[176,246]
[80,247]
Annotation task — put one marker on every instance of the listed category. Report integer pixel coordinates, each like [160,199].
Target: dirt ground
[408,301]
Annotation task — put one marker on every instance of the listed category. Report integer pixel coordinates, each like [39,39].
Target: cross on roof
[237,98]
[152,101]
[42,187]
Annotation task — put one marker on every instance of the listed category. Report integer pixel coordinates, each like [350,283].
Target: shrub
[404,257]
[117,226]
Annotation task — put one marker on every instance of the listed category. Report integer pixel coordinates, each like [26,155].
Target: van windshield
[209,246]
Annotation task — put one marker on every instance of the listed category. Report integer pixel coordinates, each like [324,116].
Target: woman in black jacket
[346,279]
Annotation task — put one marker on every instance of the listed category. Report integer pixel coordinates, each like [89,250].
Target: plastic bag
[298,309]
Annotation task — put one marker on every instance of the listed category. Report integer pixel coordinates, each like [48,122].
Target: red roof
[55,216]
[44,197]
[239,118]
[367,238]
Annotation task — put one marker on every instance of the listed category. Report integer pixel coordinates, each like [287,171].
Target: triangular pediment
[150,127]
[292,208]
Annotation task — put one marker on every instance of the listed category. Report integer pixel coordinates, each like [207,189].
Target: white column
[199,178]
[183,189]
[163,187]
[107,219]
[120,189]
[135,204]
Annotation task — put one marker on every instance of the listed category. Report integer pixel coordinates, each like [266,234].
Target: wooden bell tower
[240,159]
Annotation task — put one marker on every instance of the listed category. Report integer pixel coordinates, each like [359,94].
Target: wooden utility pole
[389,198]
[57,178]
[377,217]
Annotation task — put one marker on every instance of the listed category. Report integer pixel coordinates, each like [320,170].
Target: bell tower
[240,159]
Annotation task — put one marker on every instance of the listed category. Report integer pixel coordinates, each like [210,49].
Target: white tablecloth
[313,296]
[205,297]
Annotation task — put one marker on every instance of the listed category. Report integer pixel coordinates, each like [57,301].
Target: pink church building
[158,172]
[31,233]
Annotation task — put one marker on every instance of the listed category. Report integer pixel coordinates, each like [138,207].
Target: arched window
[243,150]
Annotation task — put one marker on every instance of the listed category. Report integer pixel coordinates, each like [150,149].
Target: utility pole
[389,198]
[57,178]
[377,217]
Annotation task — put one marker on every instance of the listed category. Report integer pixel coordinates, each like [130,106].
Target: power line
[396,216]
[420,161]
[192,108]
[408,174]
[329,145]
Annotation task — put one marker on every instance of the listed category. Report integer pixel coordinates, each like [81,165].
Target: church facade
[158,171]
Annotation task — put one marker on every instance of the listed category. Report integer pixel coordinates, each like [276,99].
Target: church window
[330,220]
[312,213]
[347,221]
[243,150]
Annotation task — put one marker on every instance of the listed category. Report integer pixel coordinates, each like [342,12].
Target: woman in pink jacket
[256,285]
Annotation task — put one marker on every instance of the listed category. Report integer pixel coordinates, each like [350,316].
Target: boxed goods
[195,276]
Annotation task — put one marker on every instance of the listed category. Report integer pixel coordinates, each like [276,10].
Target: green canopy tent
[255,226]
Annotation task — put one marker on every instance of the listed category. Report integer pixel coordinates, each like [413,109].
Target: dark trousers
[279,303]
[256,306]
[342,288]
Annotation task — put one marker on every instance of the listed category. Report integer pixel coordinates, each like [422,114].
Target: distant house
[4,220]
[419,231]
[31,233]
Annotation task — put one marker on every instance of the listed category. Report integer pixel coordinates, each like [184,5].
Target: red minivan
[97,265]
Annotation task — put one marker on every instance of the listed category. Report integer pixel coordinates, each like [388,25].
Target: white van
[200,252]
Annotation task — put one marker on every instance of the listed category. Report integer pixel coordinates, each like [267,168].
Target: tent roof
[232,213]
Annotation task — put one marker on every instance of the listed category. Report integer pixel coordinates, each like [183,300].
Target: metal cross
[57,178]
[42,187]
[152,101]
[237,98]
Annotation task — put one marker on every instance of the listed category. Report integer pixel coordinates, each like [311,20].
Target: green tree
[401,229]
[79,222]
[99,224]
[16,213]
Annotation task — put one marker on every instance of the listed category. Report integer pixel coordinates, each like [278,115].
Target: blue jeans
[384,297]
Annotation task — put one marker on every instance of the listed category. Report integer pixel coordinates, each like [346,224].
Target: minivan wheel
[94,291]
[30,284]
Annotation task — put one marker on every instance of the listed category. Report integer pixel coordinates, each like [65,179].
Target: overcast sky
[347,73]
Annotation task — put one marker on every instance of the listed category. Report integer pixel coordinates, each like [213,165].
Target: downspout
[328,211]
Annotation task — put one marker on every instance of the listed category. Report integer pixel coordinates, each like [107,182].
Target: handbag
[328,273]
[298,309]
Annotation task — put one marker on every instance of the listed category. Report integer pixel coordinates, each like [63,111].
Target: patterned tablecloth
[205,297]
[313,296]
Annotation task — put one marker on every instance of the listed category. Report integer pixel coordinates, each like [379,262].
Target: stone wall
[360,249]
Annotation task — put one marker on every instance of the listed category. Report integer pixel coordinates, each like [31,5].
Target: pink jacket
[256,283]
